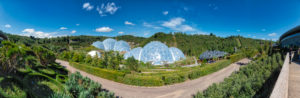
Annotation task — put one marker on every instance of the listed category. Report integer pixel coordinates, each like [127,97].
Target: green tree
[132,64]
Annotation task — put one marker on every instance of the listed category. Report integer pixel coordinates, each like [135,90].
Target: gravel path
[179,90]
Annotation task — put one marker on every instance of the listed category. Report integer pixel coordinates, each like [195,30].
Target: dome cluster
[157,53]
[111,44]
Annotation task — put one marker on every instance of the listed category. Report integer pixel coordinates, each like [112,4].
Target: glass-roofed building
[211,55]
[291,38]
[112,45]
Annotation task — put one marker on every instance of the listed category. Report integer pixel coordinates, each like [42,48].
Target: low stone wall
[280,89]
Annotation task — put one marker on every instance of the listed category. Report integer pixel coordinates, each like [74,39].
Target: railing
[280,89]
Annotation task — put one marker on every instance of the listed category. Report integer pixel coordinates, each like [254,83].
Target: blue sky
[262,19]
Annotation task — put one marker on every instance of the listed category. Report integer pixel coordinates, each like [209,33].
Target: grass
[158,78]
[47,71]
[10,88]
[13,91]
[51,85]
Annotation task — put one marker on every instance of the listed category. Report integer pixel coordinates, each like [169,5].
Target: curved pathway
[294,80]
[179,90]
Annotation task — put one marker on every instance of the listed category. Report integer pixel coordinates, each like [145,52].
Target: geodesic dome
[157,53]
[176,53]
[121,46]
[99,45]
[136,53]
[111,44]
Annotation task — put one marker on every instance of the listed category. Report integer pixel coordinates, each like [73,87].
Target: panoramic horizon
[252,19]
[149,49]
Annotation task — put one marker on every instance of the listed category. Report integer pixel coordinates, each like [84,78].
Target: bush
[254,80]
[236,57]
[45,56]
[196,73]
[173,78]
[104,73]
[83,87]
[132,64]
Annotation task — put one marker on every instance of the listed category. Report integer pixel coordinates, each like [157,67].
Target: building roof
[290,32]
[2,35]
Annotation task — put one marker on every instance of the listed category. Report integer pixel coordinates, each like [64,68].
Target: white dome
[111,44]
[93,53]
[136,53]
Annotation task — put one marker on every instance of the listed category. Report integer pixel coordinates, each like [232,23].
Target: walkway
[179,90]
[294,80]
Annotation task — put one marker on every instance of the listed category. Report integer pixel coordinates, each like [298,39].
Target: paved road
[294,80]
[179,90]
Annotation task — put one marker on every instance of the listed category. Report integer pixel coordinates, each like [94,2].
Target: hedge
[142,80]
[104,73]
[175,78]
[236,57]
[153,79]
[207,69]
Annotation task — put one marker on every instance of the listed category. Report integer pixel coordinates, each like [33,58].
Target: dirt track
[179,90]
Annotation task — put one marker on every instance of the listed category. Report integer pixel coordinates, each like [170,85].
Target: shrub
[208,69]
[132,64]
[83,87]
[173,78]
[45,56]
[236,57]
[104,73]
[254,80]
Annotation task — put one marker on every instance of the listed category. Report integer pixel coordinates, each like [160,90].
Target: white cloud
[38,34]
[73,31]
[176,24]
[238,30]
[151,26]
[7,26]
[263,30]
[121,32]
[128,23]
[77,24]
[173,22]
[28,30]
[87,6]
[109,8]
[104,29]
[63,28]
[166,12]
[185,28]
[272,34]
